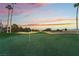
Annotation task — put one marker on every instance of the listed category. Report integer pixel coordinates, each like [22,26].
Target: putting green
[26,32]
[41,44]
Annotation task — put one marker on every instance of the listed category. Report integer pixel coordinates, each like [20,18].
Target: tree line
[16,28]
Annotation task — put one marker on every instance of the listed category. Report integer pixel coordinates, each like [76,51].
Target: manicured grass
[41,44]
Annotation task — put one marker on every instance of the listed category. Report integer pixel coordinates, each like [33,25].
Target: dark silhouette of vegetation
[48,29]
[15,28]
[27,30]
[65,29]
[21,29]
[35,30]
[58,30]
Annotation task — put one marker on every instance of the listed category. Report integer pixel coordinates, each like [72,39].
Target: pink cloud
[24,7]
[38,4]
[31,4]
[47,20]
[30,7]
[3,11]
[44,20]
[22,11]
[47,24]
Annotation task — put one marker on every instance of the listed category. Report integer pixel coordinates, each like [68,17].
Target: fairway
[40,44]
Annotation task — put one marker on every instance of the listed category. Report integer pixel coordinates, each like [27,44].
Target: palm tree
[76,5]
[9,8]
[11,15]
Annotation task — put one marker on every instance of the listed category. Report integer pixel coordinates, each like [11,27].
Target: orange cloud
[49,20]
[47,24]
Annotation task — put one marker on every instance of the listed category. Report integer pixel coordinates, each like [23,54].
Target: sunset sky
[60,15]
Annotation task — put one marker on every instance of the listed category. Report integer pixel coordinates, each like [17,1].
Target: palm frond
[76,4]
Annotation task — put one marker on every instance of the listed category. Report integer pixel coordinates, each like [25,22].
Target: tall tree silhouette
[9,8]
[76,5]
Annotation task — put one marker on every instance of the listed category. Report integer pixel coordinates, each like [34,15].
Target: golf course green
[40,44]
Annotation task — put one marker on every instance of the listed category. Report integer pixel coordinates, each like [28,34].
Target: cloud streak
[21,7]
[48,24]
[48,20]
